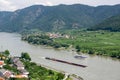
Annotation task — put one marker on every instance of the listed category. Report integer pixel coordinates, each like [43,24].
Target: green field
[93,42]
[98,42]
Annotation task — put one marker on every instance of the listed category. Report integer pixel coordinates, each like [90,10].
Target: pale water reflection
[98,68]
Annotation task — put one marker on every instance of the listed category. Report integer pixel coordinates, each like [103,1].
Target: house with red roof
[1,64]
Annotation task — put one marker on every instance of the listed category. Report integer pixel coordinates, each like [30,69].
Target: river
[99,68]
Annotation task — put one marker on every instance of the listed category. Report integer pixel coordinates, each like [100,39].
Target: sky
[11,5]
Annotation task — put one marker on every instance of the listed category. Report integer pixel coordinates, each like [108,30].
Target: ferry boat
[80,57]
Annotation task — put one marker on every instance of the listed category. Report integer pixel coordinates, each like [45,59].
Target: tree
[90,52]
[78,48]
[25,56]
[60,76]
[57,45]
[7,53]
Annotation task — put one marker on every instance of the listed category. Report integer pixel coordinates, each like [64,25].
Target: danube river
[99,68]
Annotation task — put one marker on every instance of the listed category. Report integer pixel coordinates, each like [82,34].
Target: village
[17,69]
[58,35]
[22,68]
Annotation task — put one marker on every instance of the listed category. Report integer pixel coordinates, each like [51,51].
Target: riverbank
[92,42]
[43,39]
[68,76]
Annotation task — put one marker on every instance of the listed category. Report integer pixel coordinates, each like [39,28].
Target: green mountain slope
[53,18]
[111,24]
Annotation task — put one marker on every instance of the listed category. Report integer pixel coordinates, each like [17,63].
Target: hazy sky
[11,5]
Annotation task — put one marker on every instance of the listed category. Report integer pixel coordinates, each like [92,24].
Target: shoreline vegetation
[68,76]
[31,70]
[44,39]
[35,72]
[103,43]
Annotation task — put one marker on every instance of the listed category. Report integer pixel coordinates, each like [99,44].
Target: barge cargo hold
[57,60]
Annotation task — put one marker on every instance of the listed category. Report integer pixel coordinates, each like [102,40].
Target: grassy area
[99,42]
[41,73]
[69,79]
[92,42]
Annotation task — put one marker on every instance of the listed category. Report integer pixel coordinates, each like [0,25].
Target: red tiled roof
[1,62]
[2,78]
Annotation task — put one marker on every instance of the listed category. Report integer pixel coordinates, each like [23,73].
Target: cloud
[6,5]
[46,3]
[11,5]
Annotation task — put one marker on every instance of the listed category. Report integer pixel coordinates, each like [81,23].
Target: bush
[90,52]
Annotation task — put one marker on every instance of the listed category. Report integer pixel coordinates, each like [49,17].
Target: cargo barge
[57,60]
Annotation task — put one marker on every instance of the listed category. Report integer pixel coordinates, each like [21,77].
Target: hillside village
[22,68]
[15,64]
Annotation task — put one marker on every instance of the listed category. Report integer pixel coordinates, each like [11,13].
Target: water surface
[99,68]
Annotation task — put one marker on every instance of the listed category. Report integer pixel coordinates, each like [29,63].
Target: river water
[99,68]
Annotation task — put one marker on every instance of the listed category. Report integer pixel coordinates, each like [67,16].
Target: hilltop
[53,18]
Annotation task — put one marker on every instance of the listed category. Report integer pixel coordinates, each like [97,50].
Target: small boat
[80,57]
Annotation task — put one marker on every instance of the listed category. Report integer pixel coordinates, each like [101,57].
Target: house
[57,35]
[19,76]
[14,59]
[20,67]
[65,36]
[17,63]
[1,64]
[2,78]
[24,72]
[54,35]
[2,56]
[5,73]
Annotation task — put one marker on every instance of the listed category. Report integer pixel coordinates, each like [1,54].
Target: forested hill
[49,18]
[111,24]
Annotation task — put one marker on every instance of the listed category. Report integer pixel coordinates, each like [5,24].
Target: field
[94,42]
